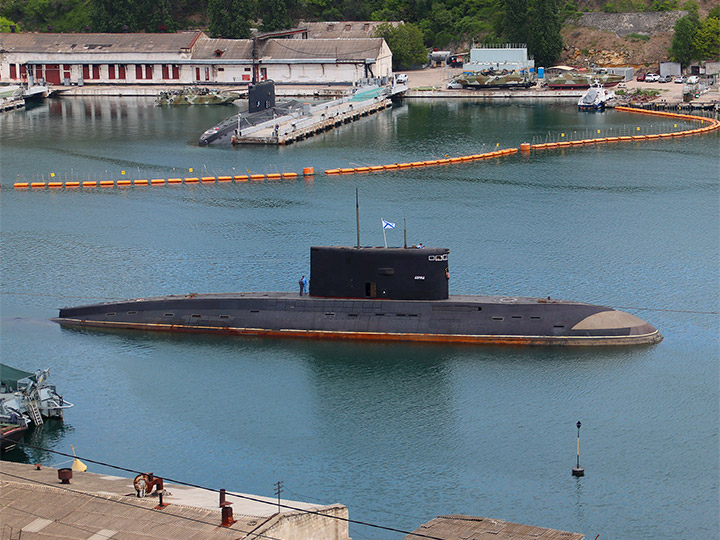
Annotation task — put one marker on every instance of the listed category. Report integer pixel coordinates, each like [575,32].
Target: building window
[121,72]
[13,71]
[111,72]
[165,72]
[175,72]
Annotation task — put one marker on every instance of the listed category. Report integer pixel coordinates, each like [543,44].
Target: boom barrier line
[712,125]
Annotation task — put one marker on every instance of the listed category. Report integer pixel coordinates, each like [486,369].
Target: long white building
[187,58]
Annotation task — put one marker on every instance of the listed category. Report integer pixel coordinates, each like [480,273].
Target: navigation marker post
[578,470]
[387,225]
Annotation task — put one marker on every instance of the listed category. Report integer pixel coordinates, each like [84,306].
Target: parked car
[665,79]
[640,77]
[679,79]
[401,78]
[652,77]
[693,79]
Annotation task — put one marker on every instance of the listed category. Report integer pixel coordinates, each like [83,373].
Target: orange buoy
[308,171]
[347,171]
[362,169]
[391,166]
[89,184]
[332,171]
[55,185]
[107,183]
[140,183]
[257,177]
[120,183]
[174,181]
[21,185]
[273,176]
[377,168]
[207,178]
[72,184]
[37,185]
[224,178]
[290,175]
[241,178]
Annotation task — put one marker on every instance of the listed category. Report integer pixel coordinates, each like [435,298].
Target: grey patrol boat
[371,293]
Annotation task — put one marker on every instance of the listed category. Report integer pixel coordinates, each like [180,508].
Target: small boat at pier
[29,395]
[595,98]
[12,428]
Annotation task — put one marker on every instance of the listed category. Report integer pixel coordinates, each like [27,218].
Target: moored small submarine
[369,293]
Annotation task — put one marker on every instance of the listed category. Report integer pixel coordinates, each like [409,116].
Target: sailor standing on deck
[303,285]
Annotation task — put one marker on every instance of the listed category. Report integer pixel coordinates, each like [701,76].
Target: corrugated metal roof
[97,43]
[288,49]
[459,527]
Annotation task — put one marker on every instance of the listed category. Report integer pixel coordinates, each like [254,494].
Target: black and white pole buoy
[578,470]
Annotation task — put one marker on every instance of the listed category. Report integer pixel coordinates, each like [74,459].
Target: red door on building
[52,73]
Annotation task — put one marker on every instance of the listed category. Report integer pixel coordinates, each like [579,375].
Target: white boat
[595,98]
[10,91]
[29,395]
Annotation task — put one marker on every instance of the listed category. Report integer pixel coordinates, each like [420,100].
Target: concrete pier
[316,119]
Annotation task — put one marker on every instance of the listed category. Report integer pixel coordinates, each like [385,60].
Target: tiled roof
[342,29]
[97,43]
[289,49]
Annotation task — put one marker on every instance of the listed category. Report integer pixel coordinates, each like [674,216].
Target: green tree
[5,25]
[230,18]
[113,15]
[159,16]
[275,16]
[544,39]
[683,43]
[405,42]
[707,39]
[515,23]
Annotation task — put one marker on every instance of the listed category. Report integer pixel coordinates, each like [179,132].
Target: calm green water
[398,433]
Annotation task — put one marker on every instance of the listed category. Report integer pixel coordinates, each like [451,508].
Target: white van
[693,79]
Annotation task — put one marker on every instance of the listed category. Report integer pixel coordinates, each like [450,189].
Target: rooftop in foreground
[95,506]
[457,527]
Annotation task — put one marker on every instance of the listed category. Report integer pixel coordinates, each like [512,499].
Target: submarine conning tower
[377,272]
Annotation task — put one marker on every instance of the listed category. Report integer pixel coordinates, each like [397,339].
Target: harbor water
[399,433]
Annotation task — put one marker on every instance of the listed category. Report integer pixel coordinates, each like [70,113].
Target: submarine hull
[495,320]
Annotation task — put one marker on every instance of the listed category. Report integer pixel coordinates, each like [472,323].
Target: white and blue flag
[388,224]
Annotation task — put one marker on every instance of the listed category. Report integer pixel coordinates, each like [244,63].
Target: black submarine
[374,293]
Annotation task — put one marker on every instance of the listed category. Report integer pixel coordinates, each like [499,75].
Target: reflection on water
[35,446]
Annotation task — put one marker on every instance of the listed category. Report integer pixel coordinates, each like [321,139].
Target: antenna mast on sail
[357,216]
[405,231]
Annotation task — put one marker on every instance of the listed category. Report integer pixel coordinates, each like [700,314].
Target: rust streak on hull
[568,341]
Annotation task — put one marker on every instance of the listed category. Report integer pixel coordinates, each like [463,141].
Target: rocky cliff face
[620,39]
